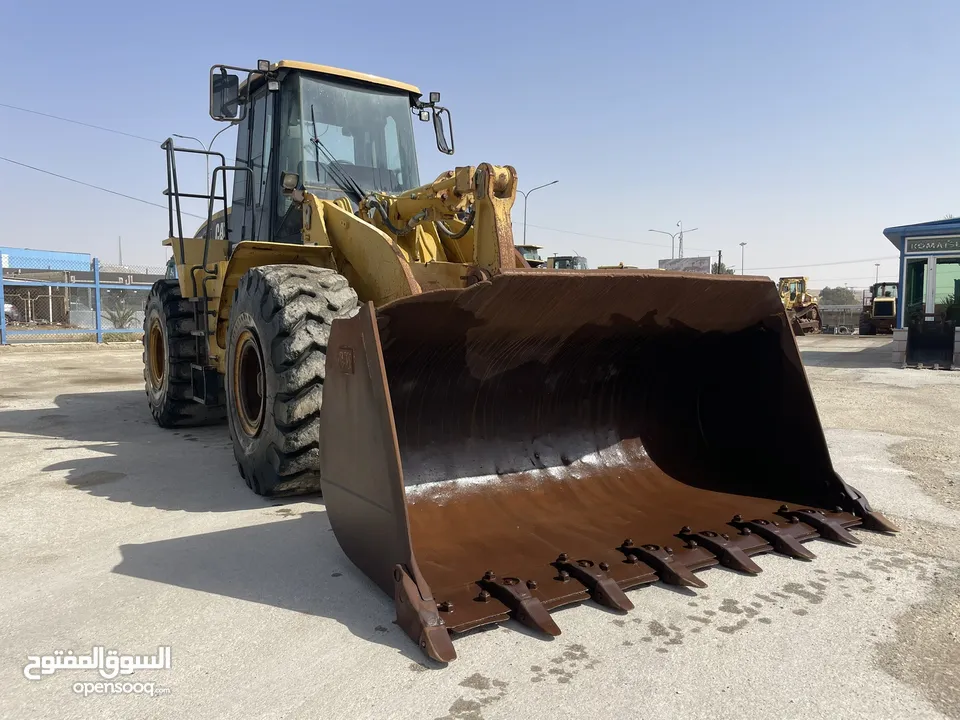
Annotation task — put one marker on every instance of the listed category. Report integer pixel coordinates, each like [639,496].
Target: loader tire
[168,351]
[276,353]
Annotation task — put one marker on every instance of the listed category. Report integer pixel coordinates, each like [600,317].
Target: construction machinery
[803,308]
[566,262]
[879,313]
[491,440]
[531,253]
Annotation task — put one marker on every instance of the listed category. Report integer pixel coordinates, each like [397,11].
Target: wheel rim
[157,354]
[248,383]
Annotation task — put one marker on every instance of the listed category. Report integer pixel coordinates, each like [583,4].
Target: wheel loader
[491,441]
[803,308]
[879,313]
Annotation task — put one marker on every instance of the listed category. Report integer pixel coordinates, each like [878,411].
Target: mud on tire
[276,352]
[168,351]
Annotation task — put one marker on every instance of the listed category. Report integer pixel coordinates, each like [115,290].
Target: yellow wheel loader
[491,440]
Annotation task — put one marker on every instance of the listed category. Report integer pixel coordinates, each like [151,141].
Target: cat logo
[219,231]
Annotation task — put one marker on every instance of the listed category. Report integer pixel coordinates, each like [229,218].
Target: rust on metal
[540,439]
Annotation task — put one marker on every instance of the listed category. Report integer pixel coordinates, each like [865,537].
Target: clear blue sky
[802,128]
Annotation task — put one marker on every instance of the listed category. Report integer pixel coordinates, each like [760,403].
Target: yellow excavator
[490,440]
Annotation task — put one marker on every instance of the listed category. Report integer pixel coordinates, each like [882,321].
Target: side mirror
[224,95]
[442,144]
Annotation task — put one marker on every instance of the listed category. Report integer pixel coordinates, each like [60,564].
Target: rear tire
[168,351]
[276,354]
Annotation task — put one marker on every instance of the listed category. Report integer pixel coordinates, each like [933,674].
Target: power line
[779,267]
[95,187]
[808,265]
[89,125]
[604,237]
[78,122]
[845,279]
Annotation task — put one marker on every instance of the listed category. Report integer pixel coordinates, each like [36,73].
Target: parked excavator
[803,308]
[490,440]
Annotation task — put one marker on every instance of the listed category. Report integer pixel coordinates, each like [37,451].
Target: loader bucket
[544,438]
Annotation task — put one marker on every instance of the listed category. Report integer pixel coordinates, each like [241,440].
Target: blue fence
[62,299]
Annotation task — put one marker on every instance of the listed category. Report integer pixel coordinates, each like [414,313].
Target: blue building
[928,303]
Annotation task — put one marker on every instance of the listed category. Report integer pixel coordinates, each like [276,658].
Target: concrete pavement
[117,533]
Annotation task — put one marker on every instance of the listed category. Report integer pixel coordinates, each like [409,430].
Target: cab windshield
[887,291]
[570,263]
[369,131]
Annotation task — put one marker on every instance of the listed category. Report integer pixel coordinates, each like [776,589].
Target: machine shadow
[293,564]
[874,356]
[115,450]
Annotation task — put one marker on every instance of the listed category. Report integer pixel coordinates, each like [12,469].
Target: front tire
[276,354]
[168,351]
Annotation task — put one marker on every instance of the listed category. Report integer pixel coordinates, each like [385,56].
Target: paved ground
[119,534]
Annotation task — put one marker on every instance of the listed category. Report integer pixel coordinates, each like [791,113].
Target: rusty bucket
[544,438]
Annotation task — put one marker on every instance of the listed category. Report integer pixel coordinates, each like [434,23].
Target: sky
[802,129]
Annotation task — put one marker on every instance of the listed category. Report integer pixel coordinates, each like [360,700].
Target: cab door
[251,214]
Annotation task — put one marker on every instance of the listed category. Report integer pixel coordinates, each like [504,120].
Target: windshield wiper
[335,170]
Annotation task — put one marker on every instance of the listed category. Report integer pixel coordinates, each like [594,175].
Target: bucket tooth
[418,617]
[603,588]
[876,521]
[524,607]
[782,541]
[828,527]
[670,570]
[726,550]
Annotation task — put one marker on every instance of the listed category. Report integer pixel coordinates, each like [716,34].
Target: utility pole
[120,247]
[741,257]
[877,265]
[554,182]
[719,261]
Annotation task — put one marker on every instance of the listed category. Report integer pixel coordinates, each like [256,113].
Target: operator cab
[317,128]
[793,287]
[567,262]
[531,253]
[885,290]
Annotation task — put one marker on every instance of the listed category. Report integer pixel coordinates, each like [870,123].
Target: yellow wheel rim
[157,354]
[248,383]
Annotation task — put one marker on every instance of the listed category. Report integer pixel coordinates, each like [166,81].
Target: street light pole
[877,266]
[673,237]
[206,148]
[554,182]
[741,257]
